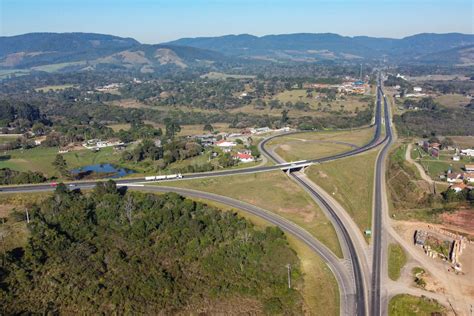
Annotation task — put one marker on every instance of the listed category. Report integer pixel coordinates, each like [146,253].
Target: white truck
[164,177]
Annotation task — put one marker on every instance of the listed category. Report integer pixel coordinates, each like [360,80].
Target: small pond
[105,170]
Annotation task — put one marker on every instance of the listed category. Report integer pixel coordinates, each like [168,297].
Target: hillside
[332,46]
[111,252]
[78,51]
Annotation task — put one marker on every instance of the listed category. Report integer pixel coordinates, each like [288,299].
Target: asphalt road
[360,296]
[377,233]
[361,305]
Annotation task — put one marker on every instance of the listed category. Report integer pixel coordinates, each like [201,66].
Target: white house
[469,176]
[469,167]
[456,158]
[417,89]
[467,152]
[225,143]
[454,177]
[458,187]
[244,157]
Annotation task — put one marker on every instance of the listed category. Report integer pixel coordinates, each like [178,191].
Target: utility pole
[288,266]
[27,215]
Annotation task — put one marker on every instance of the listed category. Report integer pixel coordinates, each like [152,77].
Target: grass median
[350,181]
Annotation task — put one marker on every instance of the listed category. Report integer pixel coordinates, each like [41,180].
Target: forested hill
[310,46]
[111,252]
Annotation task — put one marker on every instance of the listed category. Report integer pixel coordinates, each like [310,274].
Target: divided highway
[378,250]
[353,290]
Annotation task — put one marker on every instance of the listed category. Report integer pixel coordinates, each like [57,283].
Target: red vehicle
[53,184]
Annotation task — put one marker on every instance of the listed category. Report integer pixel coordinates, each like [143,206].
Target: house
[469,167]
[243,157]
[417,89]
[454,177]
[225,143]
[467,152]
[468,176]
[262,130]
[458,187]
[456,158]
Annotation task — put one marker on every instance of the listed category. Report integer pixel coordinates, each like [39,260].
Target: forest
[116,252]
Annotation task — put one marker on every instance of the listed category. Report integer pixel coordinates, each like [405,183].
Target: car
[53,184]
[72,185]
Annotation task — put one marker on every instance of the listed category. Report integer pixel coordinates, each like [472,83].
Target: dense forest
[116,252]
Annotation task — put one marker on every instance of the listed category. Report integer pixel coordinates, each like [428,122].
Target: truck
[164,177]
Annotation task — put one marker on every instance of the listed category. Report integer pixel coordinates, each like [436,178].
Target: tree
[208,127]
[284,116]
[61,165]
[172,127]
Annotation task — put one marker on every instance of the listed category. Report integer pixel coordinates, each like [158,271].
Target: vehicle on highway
[164,177]
[53,184]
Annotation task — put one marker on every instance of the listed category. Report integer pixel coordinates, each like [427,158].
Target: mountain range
[77,51]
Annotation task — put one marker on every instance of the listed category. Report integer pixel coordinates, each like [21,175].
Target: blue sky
[154,21]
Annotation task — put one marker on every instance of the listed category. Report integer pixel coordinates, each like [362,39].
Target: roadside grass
[396,260]
[407,305]
[320,289]
[275,192]
[350,181]
[55,87]
[13,230]
[298,150]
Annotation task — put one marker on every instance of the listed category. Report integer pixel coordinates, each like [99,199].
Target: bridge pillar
[288,171]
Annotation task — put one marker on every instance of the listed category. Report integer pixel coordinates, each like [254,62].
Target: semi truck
[164,177]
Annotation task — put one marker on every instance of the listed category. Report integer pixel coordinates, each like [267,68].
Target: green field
[396,260]
[312,145]
[223,76]
[407,305]
[57,67]
[349,103]
[41,158]
[275,192]
[7,138]
[350,182]
[55,88]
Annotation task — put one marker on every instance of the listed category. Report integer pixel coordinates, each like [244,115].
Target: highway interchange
[352,273]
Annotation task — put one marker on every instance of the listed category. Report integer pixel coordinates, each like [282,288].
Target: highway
[356,292]
[377,232]
[345,236]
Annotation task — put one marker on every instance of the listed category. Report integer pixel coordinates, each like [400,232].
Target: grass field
[275,192]
[396,260]
[41,158]
[350,103]
[55,88]
[350,182]
[319,144]
[452,100]
[408,305]
[57,67]
[7,138]
[320,290]
[223,76]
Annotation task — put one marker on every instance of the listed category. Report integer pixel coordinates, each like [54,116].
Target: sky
[155,21]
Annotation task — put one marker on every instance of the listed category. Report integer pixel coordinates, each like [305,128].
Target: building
[417,89]
[468,176]
[454,177]
[458,187]
[467,152]
[456,158]
[469,167]
[244,157]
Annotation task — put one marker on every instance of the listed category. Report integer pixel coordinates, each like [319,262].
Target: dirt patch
[463,219]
